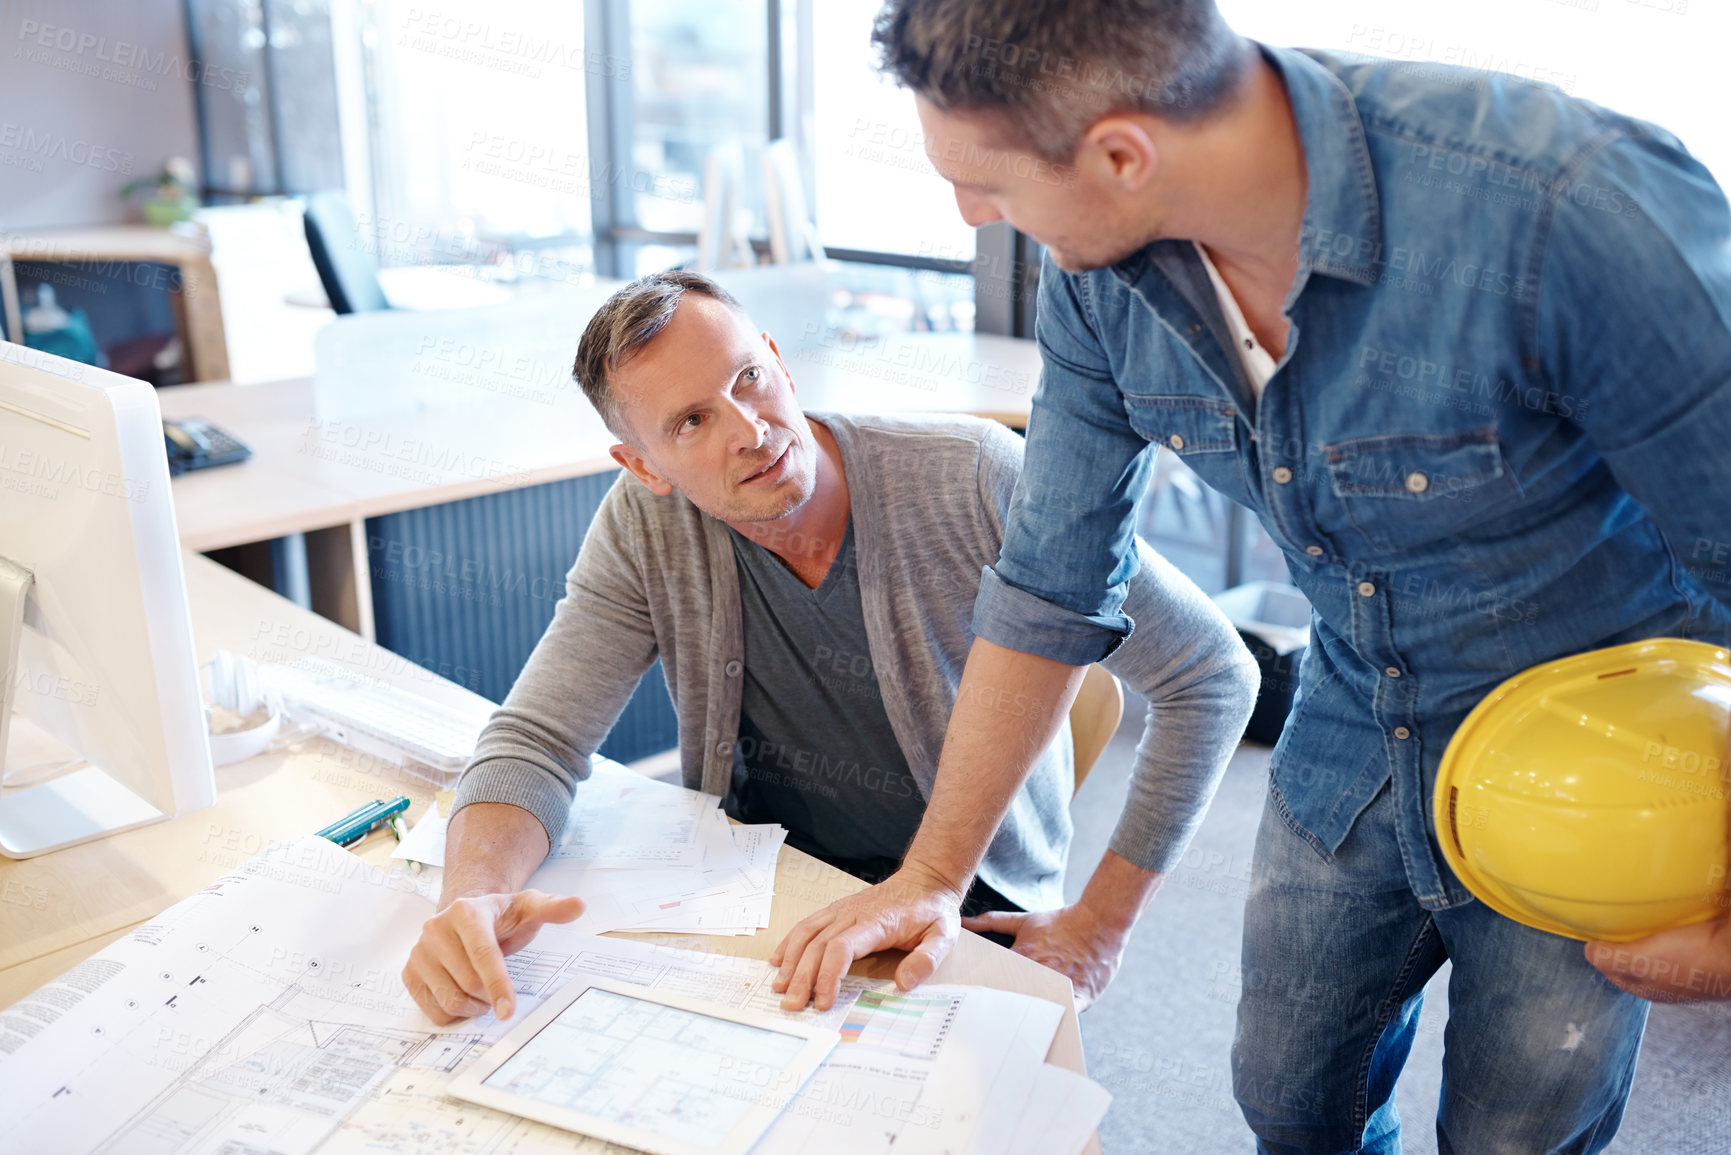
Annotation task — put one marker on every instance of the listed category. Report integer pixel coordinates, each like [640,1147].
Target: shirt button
[724,748]
[1366,589]
[1402,733]
[1417,482]
[1282,475]
[1313,550]
[734,668]
[1249,343]
[1195,328]
[1392,671]
[1176,441]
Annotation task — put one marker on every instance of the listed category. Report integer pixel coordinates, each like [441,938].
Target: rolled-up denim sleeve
[1058,588]
[1634,325]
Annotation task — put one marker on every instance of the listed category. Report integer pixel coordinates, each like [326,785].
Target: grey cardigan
[655,577]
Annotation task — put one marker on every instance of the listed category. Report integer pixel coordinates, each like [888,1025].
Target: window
[479,133]
[691,75]
[875,189]
[698,79]
[266,97]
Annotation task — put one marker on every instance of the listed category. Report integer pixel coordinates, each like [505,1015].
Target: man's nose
[749,431]
[976,210]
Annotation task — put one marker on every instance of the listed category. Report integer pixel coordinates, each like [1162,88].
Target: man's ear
[1121,151]
[792,386]
[637,466]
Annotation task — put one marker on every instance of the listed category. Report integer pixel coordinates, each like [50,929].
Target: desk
[198,303]
[62,907]
[325,478]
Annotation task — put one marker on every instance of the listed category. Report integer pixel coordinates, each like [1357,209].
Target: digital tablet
[645,1069]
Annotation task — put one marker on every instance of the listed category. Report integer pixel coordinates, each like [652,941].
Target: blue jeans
[1539,1049]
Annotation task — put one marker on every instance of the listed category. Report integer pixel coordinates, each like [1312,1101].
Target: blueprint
[266,1015]
[246,1020]
[913,1075]
[676,1073]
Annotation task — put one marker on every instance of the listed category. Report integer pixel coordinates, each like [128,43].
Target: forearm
[1201,684]
[491,848]
[1009,708]
[1187,742]
[1118,892]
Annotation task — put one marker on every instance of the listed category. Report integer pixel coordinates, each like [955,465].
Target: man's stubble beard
[787,503]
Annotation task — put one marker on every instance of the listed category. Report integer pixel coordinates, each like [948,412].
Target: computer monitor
[101,724]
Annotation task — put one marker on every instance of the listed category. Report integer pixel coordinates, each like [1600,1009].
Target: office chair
[1094,718]
[347,263]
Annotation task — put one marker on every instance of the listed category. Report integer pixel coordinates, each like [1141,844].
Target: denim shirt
[1498,434]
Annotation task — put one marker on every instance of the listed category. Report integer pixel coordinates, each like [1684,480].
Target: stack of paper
[646,855]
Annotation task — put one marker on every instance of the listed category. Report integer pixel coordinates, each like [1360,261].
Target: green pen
[357,824]
[401,830]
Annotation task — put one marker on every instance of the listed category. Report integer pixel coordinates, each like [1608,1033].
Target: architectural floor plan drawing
[266,1015]
[245,1021]
[280,1074]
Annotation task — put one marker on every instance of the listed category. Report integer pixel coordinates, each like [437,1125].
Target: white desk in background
[332,451]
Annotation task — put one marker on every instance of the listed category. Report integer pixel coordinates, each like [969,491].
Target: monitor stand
[78,807]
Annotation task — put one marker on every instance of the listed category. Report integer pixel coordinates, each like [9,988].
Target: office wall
[93,93]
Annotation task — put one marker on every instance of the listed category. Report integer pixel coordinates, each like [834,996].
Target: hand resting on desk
[457,969]
[915,911]
[1069,940]
[910,910]
[1084,941]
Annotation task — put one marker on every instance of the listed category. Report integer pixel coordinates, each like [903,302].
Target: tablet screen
[674,1073]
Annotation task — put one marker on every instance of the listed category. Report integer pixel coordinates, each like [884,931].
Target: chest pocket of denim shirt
[1408,490]
[1202,432]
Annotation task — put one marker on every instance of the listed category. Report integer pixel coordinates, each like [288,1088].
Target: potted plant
[174,199]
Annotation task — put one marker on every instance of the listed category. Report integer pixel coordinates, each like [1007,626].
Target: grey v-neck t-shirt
[816,752]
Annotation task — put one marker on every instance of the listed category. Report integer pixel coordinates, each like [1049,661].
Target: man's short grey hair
[620,329]
[1051,69]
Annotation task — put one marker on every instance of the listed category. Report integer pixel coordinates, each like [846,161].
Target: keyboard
[429,740]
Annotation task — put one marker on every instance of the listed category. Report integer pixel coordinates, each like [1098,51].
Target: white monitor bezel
[88,403]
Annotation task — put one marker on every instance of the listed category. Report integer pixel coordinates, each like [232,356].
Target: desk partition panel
[466,589]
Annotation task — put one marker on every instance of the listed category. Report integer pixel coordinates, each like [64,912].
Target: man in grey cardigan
[809,587]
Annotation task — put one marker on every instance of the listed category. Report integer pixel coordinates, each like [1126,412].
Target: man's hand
[910,910]
[457,969]
[1686,964]
[1070,940]
[1009,707]
[1084,941]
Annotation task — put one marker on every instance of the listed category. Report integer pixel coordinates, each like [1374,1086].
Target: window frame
[1005,268]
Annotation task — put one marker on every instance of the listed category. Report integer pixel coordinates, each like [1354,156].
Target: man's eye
[691,422]
[754,374]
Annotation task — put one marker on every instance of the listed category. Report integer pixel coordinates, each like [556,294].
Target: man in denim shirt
[1463,343]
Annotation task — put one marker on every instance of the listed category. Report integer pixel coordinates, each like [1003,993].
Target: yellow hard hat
[1591,797]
